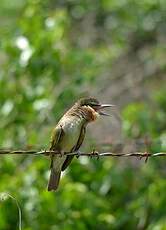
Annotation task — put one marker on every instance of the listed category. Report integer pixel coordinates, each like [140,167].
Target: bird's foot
[51,152]
[146,155]
[78,154]
[95,153]
[61,153]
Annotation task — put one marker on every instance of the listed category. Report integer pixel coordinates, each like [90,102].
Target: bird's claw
[61,154]
[95,153]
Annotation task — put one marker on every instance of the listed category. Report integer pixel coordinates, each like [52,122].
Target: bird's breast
[72,128]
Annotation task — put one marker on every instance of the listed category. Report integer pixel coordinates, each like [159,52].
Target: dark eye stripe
[94,104]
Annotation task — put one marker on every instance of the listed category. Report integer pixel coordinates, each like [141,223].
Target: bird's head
[93,108]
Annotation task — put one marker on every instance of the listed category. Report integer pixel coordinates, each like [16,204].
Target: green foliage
[47,61]
[142,119]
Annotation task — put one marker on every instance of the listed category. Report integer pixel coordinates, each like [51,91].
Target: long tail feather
[54,180]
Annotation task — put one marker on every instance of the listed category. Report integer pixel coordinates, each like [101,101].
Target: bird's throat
[85,113]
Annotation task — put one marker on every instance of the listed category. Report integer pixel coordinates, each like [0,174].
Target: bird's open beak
[103,106]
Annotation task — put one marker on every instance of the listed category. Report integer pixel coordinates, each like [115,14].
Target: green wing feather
[56,137]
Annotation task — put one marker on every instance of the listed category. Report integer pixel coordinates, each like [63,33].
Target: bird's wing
[75,148]
[80,139]
[56,137]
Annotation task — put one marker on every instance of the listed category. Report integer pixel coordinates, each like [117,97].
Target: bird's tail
[54,179]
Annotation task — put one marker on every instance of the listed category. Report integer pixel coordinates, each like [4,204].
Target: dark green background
[52,53]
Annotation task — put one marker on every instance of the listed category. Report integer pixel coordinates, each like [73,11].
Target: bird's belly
[72,133]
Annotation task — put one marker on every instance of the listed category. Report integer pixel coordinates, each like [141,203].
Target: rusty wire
[79,154]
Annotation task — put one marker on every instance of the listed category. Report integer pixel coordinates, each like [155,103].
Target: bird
[69,133]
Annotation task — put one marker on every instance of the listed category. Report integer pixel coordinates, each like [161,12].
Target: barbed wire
[79,154]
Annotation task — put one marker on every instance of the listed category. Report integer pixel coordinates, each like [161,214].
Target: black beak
[103,106]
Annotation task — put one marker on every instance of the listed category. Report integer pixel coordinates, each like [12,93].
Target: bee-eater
[69,134]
